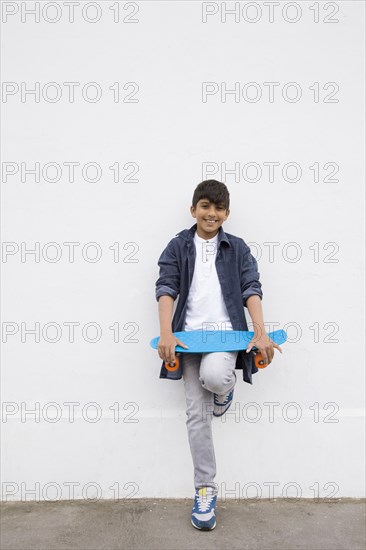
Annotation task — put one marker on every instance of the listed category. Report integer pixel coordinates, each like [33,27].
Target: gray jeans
[205,374]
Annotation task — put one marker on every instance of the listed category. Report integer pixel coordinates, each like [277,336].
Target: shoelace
[204,502]
[225,400]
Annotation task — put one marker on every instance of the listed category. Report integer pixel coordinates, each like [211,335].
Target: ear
[227,214]
[193,211]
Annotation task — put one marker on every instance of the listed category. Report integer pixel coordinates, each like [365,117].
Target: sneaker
[223,402]
[203,511]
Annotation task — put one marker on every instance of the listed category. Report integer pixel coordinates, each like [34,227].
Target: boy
[215,275]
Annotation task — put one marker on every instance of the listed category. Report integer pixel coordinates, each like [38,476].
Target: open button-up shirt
[237,271]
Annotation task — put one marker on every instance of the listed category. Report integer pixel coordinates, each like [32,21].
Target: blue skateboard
[207,341]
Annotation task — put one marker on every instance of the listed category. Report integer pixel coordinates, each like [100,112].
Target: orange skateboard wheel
[258,361]
[172,367]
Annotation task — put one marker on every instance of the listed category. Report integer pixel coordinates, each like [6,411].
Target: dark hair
[212,190]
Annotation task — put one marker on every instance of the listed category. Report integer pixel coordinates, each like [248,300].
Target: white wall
[139,445]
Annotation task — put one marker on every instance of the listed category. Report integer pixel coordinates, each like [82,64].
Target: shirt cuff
[165,291]
[249,293]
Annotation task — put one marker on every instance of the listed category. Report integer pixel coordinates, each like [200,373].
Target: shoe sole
[204,528]
[227,408]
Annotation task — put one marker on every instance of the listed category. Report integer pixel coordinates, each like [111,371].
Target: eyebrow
[205,201]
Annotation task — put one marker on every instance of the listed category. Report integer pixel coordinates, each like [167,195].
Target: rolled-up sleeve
[168,283]
[249,275]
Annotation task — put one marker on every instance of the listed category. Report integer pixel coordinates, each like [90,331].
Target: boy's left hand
[265,346]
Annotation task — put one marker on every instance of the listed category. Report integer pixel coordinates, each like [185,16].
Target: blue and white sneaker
[204,509]
[223,402]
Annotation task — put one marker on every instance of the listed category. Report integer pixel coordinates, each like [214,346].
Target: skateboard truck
[258,361]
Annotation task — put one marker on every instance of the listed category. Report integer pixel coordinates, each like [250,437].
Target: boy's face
[210,217]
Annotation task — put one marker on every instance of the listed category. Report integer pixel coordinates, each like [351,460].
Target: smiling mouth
[210,221]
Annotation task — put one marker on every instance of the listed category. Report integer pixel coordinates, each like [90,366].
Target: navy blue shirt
[237,271]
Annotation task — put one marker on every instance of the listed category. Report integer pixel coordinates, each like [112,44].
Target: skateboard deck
[206,341]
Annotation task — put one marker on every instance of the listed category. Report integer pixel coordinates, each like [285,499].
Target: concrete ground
[165,524]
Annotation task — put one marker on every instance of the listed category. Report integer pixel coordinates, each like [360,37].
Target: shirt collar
[188,234]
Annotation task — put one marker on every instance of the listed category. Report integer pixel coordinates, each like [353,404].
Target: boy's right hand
[166,347]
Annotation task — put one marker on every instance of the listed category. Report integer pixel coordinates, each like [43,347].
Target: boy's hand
[265,346]
[166,347]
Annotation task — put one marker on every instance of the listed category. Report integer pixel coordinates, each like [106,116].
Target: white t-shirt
[205,300]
